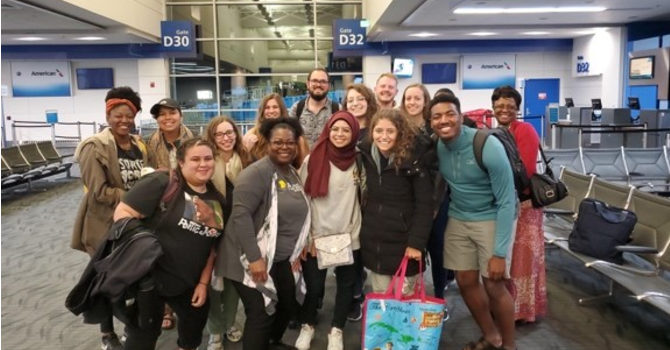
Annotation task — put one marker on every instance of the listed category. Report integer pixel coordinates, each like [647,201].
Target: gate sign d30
[177,35]
[349,34]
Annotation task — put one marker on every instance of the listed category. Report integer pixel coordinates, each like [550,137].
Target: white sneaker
[335,341]
[215,342]
[305,337]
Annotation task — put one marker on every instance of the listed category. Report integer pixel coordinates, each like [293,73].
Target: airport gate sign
[349,34]
[177,36]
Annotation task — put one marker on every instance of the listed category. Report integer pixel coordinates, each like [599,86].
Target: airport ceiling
[58,22]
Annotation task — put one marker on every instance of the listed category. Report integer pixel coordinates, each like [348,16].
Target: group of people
[252,212]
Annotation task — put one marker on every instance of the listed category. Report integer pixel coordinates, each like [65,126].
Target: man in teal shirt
[480,233]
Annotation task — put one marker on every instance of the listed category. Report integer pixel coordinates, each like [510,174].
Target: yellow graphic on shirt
[282,184]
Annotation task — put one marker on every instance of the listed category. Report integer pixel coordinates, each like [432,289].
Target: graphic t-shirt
[186,242]
[292,208]
[130,164]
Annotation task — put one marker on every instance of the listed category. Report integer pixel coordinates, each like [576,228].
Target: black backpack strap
[478,147]
[301,107]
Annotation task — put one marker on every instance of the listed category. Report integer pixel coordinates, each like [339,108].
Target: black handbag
[600,228]
[545,189]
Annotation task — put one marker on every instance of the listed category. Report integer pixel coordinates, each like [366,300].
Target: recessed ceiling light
[423,35]
[30,38]
[483,33]
[90,38]
[498,10]
[535,33]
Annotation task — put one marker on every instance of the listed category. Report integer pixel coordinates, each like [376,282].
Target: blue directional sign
[178,36]
[349,34]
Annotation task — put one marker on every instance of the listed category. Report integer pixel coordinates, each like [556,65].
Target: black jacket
[397,212]
[114,273]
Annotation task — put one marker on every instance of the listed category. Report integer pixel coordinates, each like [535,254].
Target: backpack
[521,180]
[334,107]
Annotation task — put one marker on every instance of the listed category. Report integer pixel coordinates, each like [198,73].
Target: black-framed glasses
[318,82]
[280,144]
[228,134]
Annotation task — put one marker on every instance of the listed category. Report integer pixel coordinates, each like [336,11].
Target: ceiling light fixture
[90,38]
[535,33]
[498,10]
[30,38]
[483,33]
[423,35]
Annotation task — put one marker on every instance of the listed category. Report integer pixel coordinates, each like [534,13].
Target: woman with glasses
[360,102]
[265,236]
[232,158]
[528,277]
[332,182]
[271,106]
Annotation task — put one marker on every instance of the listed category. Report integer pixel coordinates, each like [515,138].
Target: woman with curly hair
[360,101]
[271,106]
[231,159]
[397,213]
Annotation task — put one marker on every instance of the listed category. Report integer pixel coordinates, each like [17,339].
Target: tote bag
[402,323]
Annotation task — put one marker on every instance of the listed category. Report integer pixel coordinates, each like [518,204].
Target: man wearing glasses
[315,110]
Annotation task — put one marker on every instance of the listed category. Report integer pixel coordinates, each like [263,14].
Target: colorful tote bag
[392,321]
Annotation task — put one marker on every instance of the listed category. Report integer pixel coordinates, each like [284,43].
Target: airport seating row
[647,169]
[646,271]
[31,161]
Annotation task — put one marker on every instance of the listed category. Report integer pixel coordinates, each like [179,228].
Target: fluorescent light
[499,10]
[483,33]
[90,38]
[30,38]
[535,33]
[423,35]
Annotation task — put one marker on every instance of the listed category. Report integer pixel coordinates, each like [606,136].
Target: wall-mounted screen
[403,67]
[438,73]
[642,67]
[95,78]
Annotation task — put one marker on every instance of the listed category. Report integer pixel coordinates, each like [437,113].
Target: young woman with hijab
[111,161]
[222,132]
[332,182]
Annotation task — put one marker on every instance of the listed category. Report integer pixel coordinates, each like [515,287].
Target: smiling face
[445,121]
[340,134]
[318,85]
[169,119]
[121,120]
[272,109]
[198,165]
[386,89]
[356,103]
[282,146]
[384,135]
[225,137]
[505,110]
[414,101]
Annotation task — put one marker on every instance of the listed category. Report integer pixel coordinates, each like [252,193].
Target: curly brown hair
[369,98]
[404,142]
[210,130]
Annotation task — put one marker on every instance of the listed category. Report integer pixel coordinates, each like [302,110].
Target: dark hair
[210,130]
[269,125]
[444,91]
[404,142]
[125,92]
[309,76]
[426,100]
[197,141]
[369,98]
[444,98]
[506,91]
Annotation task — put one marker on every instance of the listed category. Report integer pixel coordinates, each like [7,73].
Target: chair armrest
[558,211]
[636,249]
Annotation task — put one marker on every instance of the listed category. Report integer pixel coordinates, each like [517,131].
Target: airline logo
[40,79]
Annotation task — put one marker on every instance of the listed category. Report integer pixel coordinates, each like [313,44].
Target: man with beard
[480,233]
[385,90]
[315,110]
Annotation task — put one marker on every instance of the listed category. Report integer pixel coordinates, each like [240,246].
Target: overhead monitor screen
[95,78]
[403,67]
[438,73]
[642,67]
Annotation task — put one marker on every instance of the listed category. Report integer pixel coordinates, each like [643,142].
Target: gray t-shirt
[292,206]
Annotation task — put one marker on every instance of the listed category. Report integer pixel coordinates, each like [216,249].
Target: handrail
[605,129]
[39,124]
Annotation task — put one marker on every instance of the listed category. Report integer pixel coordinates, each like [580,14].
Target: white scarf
[226,170]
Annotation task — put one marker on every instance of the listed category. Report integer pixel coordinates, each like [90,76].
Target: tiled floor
[39,269]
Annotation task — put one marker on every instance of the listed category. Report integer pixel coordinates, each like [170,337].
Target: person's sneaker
[305,338]
[111,342]
[335,341]
[215,342]
[356,311]
[233,334]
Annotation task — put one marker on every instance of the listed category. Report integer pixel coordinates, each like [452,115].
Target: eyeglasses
[503,107]
[318,82]
[280,144]
[220,135]
[359,99]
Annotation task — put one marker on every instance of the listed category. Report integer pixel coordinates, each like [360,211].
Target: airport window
[247,49]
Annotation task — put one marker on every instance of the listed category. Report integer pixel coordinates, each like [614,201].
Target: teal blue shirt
[476,195]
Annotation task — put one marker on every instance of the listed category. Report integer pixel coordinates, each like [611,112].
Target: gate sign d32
[177,35]
[349,34]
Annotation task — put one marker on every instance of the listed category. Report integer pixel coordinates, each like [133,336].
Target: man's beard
[318,97]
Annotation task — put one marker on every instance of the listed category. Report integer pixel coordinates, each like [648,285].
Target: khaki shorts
[380,283]
[468,246]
